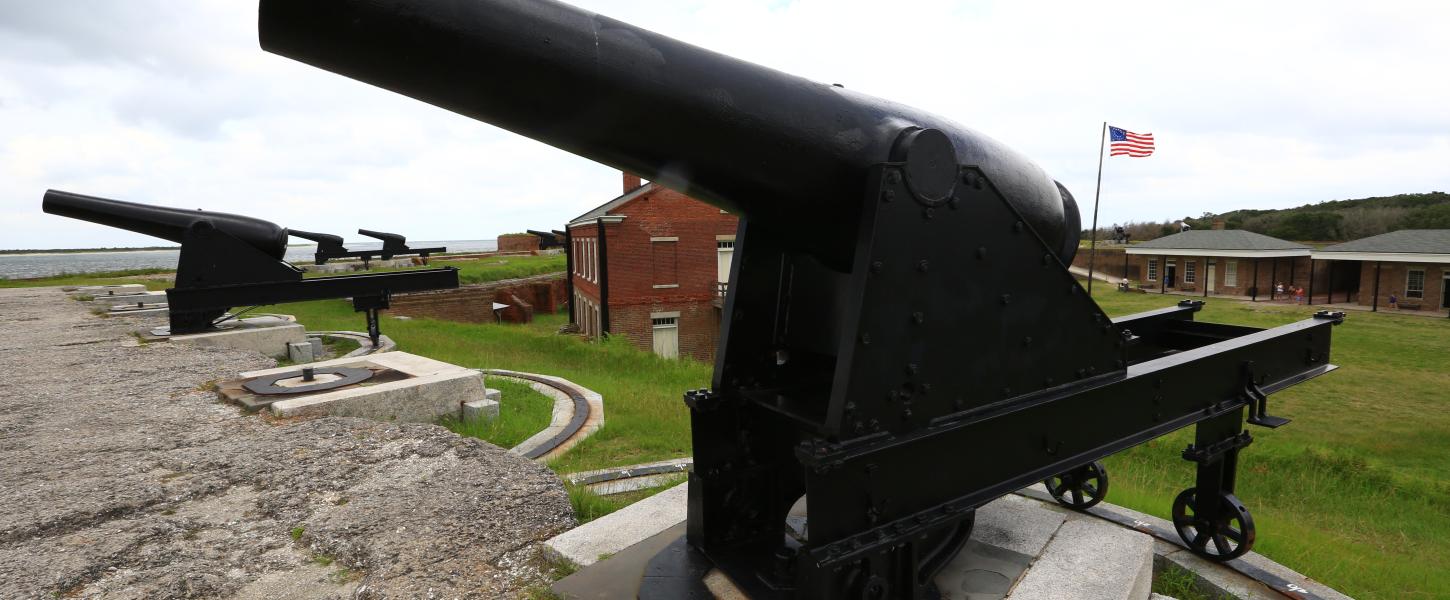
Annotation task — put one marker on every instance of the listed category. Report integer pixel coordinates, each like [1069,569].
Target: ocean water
[19,266]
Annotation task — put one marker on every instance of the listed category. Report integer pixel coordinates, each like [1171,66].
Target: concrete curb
[583,545]
[557,388]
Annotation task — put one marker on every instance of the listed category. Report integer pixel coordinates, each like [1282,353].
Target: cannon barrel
[165,222]
[772,147]
[320,238]
[389,239]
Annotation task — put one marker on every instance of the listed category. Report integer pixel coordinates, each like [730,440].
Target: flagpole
[1093,246]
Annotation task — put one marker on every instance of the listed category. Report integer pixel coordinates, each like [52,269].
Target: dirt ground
[122,476]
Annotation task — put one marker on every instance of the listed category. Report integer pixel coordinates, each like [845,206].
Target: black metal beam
[569,274]
[318,288]
[1311,281]
[603,258]
[1375,303]
[1254,287]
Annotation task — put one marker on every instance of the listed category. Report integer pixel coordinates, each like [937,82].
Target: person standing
[1395,300]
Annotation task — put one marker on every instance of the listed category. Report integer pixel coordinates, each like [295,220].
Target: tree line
[1330,221]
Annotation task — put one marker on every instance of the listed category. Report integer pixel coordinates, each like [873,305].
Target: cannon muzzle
[391,241]
[165,222]
[775,148]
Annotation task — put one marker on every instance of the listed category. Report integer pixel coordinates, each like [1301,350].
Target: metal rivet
[922,265]
[1018,226]
[928,214]
[893,177]
[888,196]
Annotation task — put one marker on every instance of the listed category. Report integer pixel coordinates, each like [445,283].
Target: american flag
[1127,143]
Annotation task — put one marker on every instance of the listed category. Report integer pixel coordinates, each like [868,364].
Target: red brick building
[1222,262]
[1411,264]
[651,266]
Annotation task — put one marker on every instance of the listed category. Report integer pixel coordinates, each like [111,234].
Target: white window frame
[665,240]
[1190,272]
[1152,269]
[666,320]
[1420,295]
[1230,273]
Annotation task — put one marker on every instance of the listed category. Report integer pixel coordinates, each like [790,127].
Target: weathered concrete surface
[266,335]
[622,528]
[1090,558]
[122,477]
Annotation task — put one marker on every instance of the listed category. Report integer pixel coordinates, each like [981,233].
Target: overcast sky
[1254,105]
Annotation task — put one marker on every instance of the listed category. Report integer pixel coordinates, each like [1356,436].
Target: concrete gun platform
[1023,547]
[405,388]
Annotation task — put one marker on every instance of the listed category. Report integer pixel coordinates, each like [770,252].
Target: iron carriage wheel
[1081,488]
[1224,537]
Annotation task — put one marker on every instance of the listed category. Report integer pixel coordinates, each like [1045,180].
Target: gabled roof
[603,209]
[1220,242]
[1221,239]
[1404,241]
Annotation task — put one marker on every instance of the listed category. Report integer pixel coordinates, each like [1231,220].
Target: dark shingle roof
[603,209]
[1220,239]
[1408,241]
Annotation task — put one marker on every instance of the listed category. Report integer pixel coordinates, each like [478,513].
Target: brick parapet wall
[518,242]
[474,303]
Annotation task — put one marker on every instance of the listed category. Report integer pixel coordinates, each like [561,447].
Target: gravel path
[122,477]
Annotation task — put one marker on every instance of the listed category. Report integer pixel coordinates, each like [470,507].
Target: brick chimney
[631,181]
[1217,224]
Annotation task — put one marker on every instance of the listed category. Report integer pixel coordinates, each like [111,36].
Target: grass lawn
[1355,492]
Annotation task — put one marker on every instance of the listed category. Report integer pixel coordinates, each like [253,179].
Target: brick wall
[1292,271]
[698,326]
[1109,261]
[518,242]
[1393,277]
[474,303]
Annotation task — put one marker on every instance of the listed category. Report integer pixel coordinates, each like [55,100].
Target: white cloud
[1253,105]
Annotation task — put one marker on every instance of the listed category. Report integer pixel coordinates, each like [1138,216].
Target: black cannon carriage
[923,352]
[232,260]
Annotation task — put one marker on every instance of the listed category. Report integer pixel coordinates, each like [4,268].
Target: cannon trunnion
[923,352]
[232,260]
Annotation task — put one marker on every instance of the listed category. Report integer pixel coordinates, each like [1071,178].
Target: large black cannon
[232,260]
[924,351]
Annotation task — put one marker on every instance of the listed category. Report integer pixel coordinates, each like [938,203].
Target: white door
[667,337]
[725,252]
[1210,279]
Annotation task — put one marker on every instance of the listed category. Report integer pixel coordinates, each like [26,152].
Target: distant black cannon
[924,351]
[231,260]
[330,246]
[549,239]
